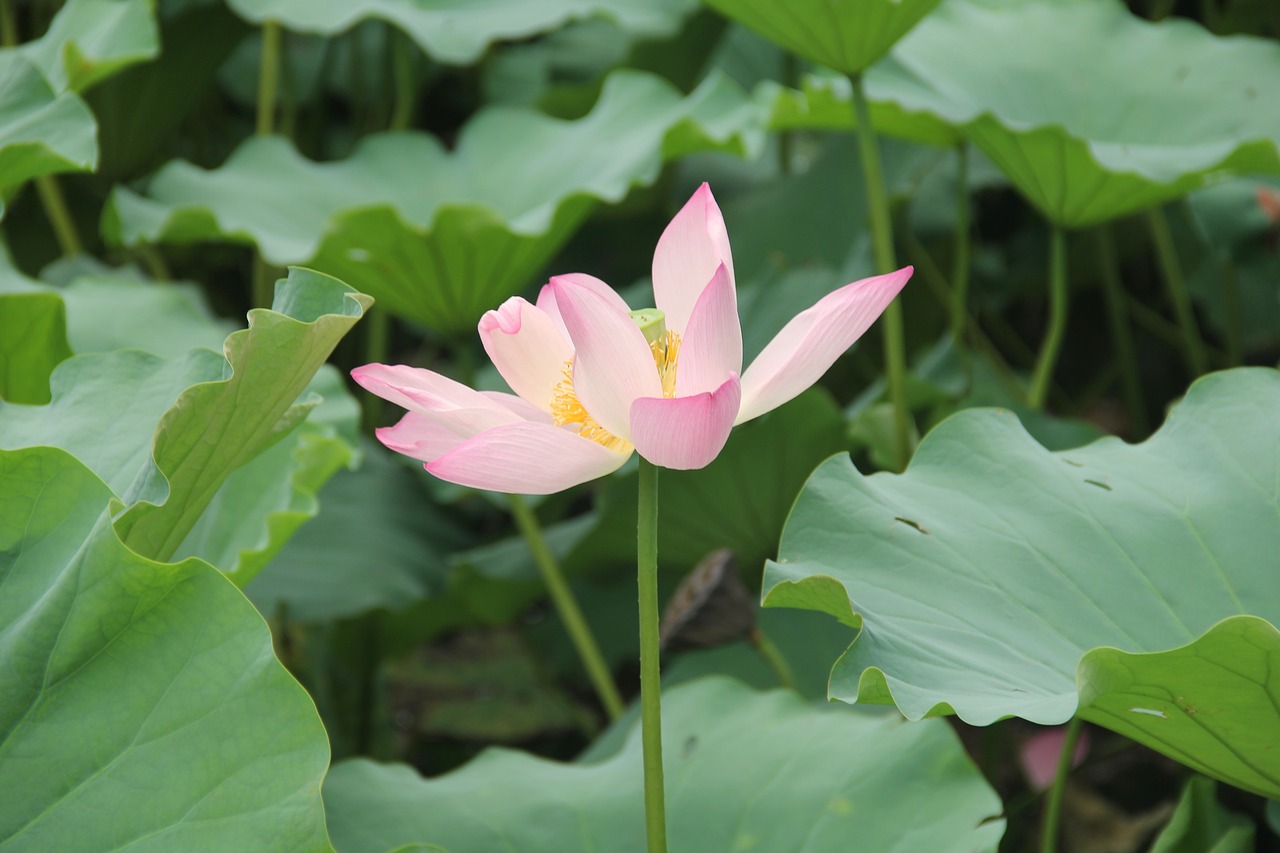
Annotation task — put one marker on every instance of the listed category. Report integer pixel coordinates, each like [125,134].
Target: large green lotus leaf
[263,502]
[1155,109]
[114,310]
[141,109]
[438,237]
[995,578]
[457,32]
[143,706]
[824,102]
[41,131]
[378,542]
[848,35]
[105,410]
[744,771]
[90,40]
[33,341]
[215,427]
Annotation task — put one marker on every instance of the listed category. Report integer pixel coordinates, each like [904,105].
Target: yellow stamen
[567,409]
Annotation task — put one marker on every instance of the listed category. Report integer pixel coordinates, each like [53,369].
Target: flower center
[567,409]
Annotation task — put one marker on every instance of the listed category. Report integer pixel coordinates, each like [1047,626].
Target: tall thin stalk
[1121,333]
[655,812]
[1042,377]
[1175,283]
[895,348]
[405,93]
[567,607]
[1053,813]
[961,252]
[268,85]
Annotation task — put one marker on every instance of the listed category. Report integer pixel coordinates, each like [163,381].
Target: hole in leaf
[1100,485]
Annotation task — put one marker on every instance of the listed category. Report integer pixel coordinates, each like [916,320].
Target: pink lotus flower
[596,381]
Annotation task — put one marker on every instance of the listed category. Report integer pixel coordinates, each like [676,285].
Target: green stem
[655,812]
[1176,286]
[154,262]
[774,657]
[377,350]
[1235,320]
[895,349]
[1048,358]
[932,276]
[8,27]
[1053,814]
[786,139]
[268,78]
[55,207]
[1121,332]
[960,270]
[567,607]
[405,93]
[263,283]
[263,295]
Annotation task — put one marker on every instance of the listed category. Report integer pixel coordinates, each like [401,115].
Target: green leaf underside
[437,237]
[848,35]
[457,32]
[215,427]
[745,771]
[1201,825]
[41,132]
[89,40]
[115,409]
[376,543]
[33,341]
[995,578]
[1155,110]
[143,707]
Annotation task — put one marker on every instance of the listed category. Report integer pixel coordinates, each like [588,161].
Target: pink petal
[613,364]
[526,458]
[1040,754]
[527,348]
[712,345]
[694,243]
[685,432]
[547,296]
[809,344]
[426,437]
[415,388]
[522,408]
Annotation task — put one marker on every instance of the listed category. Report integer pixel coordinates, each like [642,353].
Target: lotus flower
[595,381]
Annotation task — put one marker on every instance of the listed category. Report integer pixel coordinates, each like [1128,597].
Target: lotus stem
[895,349]
[268,77]
[655,812]
[1175,283]
[962,250]
[1234,319]
[1042,377]
[1121,333]
[55,208]
[567,607]
[268,84]
[1053,813]
[774,657]
[402,69]
[8,26]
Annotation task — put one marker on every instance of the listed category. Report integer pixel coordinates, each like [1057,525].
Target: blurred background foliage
[162,163]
